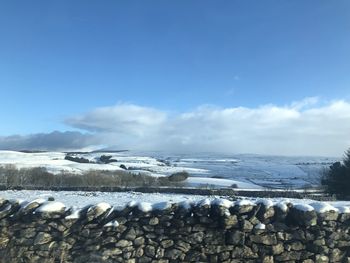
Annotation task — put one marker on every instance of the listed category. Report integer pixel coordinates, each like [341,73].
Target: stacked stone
[204,232]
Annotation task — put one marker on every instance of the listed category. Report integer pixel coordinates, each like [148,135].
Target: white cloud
[302,128]
[128,118]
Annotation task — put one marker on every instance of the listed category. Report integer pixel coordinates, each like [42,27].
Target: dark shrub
[76,159]
[337,179]
[218,177]
[123,167]
[178,177]
[107,159]
[164,162]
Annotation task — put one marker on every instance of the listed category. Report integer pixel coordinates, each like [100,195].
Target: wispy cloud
[305,103]
[306,127]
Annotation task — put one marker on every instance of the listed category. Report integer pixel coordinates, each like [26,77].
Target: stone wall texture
[206,232]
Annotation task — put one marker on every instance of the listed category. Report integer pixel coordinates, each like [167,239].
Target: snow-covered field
[243,171]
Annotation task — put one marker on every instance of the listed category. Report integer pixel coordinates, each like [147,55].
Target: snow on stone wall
[206,231]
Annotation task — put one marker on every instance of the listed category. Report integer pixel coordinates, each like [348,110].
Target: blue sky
[67,58]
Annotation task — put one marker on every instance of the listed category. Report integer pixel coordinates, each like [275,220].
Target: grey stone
[160,252]
[224,255]
[248,253]
[150,251]
[241,209]
[246,226]
[144,259]
[235,238]
[328,216]
[344,217]
[139,241]
[265,213]
[277,249]
[183,246]
[198,228]
[28,232]
[193,255]
[154,221]
[95,212]
[3,202]
[336,255]
[130,234]
[343,243]
[127,254]
[321,259]
[42,238]
[268,259]
[319,242]
[148,228]
[264,239]
[297,245]
[167,243]
[214,237]
[230,221]
[288,255]
[139,252]
[3,242]
[123,243]
[6,210]
[174,254]
[112,252]
[196,238]
[303,218]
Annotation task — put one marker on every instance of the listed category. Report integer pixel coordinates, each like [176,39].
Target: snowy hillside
[242,171]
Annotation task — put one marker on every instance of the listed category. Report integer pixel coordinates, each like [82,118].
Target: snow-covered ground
[266,171]
[243,171]
[82,199]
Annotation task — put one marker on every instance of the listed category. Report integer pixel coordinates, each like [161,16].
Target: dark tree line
[11,177]
[337,179]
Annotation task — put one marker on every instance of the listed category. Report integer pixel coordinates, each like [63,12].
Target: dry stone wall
[218,231]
